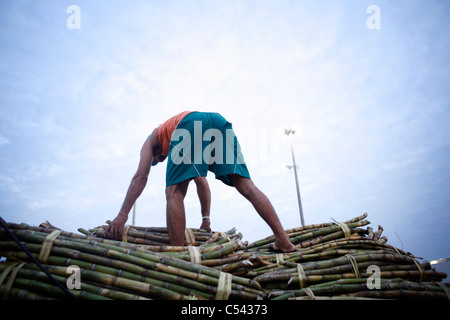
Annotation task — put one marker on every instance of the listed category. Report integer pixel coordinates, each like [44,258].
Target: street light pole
[288,133]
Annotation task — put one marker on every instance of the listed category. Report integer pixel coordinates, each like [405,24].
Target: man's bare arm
[137,185]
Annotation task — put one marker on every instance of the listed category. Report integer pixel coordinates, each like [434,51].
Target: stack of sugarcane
[222,250]
[108,269]
[333,261]
[333,258]
[157,237]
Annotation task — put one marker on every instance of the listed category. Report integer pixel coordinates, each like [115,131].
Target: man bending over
[195,143]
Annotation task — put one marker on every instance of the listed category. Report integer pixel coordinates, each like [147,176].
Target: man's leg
[204,194]
[262,205]
[176,219]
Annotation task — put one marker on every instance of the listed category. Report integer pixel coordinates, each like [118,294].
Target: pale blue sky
[371,109]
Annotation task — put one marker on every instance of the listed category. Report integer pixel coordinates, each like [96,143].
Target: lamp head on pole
[289,131]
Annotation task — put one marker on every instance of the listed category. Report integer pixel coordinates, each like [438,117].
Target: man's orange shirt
[166,130]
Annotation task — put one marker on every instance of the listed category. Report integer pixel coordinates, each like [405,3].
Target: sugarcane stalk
[229,259]
[354,242]
[218,251]
[340,298]
[54,291]
[236,265]
[22,294]
[378,233]
[404,274]
[357,287]
[402,294]
[43,285]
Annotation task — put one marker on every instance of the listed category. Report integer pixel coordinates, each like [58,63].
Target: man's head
[157,156]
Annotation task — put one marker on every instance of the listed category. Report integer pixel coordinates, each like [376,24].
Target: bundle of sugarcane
[310,235]
[317,242]
[344,289]
[108,269]
[157,237]
[350,266]
[202,247]
[334,252]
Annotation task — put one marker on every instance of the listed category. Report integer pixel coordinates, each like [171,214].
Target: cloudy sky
[370,107]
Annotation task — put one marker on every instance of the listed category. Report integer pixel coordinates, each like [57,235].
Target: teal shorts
[204,142]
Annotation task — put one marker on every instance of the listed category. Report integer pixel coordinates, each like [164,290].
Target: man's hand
[206,224]
[115,228]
